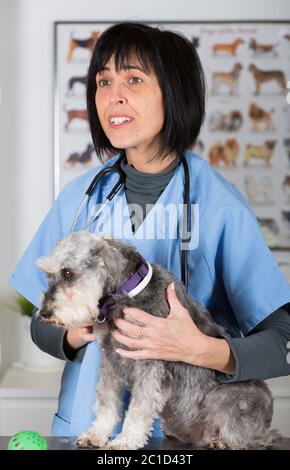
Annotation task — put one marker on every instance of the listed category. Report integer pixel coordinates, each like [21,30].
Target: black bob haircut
[178,69]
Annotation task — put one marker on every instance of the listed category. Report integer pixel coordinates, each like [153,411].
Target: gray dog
[85,273]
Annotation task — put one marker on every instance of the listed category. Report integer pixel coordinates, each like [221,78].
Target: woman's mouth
[116,122]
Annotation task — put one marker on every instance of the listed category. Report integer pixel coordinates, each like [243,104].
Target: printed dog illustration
[231,121]
[265,76]
[84,158]
[89,278]
[227,79]
[230,48]
[262,49]
[226,153]
[73,80]
[72,114]
[259,190]
[262,152]
[270,230]
[261,118]
[195,40]
[87,43]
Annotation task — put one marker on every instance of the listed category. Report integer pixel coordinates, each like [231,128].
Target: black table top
[68,443]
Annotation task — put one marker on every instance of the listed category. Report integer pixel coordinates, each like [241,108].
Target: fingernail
[173,286]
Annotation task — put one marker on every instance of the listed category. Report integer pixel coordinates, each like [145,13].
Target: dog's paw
[90,440]
[219,444]
[122,444]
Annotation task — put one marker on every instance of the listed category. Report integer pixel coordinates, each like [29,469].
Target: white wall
[9,128]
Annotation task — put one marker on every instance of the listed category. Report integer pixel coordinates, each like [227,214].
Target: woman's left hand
[174,338]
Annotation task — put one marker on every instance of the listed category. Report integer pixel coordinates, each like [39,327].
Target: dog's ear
[44,263]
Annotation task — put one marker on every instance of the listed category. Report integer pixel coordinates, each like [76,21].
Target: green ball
[27,440]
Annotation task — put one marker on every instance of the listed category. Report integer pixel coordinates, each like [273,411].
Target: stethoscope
[117,168]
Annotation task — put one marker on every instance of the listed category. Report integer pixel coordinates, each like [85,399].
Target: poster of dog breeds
[246,133]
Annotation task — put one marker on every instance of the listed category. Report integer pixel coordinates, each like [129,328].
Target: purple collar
[107,300]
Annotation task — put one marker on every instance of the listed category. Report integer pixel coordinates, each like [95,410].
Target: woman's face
[130,108]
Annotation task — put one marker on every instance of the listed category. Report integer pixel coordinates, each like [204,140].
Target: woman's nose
[117,95]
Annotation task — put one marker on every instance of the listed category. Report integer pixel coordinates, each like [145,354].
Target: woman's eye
[135,80]
[103,82]
[67,273]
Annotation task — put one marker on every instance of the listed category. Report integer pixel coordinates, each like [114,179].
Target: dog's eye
[67,273]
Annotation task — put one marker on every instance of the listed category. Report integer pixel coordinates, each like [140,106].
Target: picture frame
[246,133]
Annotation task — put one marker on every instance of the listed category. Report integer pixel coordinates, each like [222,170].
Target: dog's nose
[46,313]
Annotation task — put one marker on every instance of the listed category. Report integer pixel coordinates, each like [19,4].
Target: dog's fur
[265,76]
[228,79]
[261,117]
[230,48]
[224,152]
[262,152]
[192,405]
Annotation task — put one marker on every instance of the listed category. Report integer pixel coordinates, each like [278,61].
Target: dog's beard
[77,305]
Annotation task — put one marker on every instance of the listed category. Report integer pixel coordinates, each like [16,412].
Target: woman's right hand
[75,338]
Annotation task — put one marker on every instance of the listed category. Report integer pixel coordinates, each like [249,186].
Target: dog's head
[252,68]
[238,67]
[270,144]
[82,268]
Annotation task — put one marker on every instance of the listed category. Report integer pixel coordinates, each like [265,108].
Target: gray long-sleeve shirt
[261,354]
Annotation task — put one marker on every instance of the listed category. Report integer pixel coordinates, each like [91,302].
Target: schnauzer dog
[92,277]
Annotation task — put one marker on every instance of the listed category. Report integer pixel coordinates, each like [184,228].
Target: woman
[146,98]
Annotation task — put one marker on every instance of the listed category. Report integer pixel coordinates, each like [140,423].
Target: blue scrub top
[232,272]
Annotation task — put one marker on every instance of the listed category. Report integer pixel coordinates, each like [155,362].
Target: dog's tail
[272,438]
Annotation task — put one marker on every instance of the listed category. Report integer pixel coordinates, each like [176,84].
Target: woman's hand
[175,338]
[78,337]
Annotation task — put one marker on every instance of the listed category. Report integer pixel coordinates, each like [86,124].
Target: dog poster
[246,133]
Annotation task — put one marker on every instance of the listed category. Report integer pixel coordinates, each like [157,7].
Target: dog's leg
[71,48]
[106,408]
[147,401]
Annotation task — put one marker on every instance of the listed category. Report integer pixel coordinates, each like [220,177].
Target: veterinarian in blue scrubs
[146,98]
